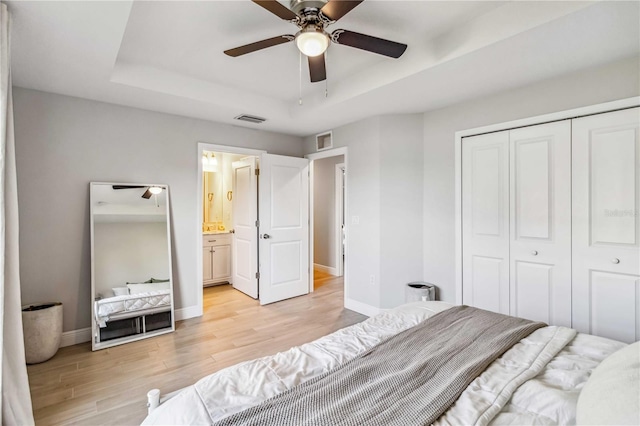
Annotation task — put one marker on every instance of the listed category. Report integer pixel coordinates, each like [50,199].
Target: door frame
[530,121]
[334,152]
[339,193]
[205,146]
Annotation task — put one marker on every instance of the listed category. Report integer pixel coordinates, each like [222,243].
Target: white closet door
[540,249]
[606,231]
[485,221]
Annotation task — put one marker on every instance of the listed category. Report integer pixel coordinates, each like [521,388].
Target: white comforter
[535,382]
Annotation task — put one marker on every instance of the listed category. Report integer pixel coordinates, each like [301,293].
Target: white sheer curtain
[16,400]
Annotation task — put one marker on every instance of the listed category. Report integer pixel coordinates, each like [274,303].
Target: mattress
[535,382]
[135,304]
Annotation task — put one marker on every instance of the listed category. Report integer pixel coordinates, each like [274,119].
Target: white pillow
[120,291]
[611,396]
[144,288]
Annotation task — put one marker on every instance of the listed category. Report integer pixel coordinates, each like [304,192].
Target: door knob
[266,236]
[534,252]
[615,260]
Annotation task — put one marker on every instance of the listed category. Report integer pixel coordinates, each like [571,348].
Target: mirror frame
[94,329]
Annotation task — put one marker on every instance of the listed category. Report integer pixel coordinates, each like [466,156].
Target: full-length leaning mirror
[131,285]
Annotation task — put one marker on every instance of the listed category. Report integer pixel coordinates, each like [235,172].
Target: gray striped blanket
[409,379]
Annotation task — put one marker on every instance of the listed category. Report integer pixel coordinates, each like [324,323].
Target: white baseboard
[73,337]
[361,308]
[326,269]
[188,312]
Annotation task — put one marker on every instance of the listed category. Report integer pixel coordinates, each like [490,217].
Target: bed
[132,305]
[536,381]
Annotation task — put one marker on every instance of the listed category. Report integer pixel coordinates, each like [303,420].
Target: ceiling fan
[149,190]
[311,17]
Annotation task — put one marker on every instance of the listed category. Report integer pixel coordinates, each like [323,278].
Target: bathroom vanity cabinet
[216,258]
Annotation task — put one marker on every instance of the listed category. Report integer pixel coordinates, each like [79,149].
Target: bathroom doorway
[228,209]
[261,229]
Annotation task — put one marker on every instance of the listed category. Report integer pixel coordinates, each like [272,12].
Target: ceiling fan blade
[277,9]
[336,9]
[259,45]
[317,69]
[368,43]
[147,194]
[127,186]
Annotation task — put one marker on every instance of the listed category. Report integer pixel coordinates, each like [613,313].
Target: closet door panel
[613,185]
[540,202]
[485,211]
[533,191]
[487,276]
[533,291]
[613,305]
[606,250]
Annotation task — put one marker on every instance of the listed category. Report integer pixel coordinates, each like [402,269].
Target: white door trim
[317,156]
[540,119]
[339,197]
[204,146]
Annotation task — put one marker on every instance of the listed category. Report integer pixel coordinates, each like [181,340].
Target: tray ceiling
[167,56]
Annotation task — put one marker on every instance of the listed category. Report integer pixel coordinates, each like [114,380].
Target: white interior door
[284,227]
[245,238]
[606,225]
[540,249]
[485,221]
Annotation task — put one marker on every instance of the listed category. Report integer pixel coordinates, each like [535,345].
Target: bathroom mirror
[131,280]
[217,190]
[213,198]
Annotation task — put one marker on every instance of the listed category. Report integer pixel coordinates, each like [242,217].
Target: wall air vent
[250,118]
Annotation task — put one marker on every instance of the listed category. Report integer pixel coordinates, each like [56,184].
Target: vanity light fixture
[209,162]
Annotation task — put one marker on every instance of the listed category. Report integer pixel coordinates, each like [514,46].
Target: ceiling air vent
[250,118]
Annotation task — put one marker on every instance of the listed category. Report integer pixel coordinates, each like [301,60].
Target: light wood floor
[78,386]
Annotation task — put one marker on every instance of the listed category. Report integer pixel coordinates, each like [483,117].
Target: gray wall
[401,179]
[63,143]
[612,82]
[324,210]
[400,182]
[384,190]
[363,199]
[401,151]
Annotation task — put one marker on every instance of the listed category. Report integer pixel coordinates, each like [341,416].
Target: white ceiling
[167,56]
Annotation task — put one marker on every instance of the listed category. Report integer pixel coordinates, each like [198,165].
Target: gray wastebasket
[420,291]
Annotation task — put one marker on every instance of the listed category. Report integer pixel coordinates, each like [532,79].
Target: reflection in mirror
[132,291]
[217,190]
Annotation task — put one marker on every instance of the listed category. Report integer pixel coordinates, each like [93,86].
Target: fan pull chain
[326,80]
[300,79]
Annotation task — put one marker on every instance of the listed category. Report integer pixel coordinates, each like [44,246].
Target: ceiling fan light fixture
[155,190]
[312,41]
